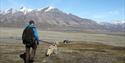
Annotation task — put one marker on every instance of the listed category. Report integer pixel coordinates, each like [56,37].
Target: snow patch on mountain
[118,22]
[49,8]
[25,10]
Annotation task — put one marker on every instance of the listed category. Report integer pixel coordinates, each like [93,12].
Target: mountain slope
[48,18]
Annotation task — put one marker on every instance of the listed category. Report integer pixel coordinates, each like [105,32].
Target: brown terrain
[85,47]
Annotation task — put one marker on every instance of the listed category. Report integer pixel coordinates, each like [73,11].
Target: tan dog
[52,49]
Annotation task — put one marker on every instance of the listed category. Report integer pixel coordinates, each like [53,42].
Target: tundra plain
[85,47]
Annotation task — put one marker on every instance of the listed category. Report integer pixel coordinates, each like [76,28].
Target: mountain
[49,18]
[25,10]
[119,22]
[114,26]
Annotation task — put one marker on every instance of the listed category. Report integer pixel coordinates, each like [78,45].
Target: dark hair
[31,22]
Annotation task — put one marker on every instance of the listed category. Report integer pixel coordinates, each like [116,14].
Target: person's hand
[38,43]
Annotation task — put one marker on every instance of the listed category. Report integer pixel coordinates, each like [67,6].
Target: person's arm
[36,35]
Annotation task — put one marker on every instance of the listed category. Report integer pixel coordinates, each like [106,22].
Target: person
[30,40]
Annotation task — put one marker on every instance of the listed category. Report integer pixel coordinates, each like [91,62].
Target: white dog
[52,49]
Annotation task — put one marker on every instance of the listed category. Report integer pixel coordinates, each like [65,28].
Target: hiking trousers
[30,52]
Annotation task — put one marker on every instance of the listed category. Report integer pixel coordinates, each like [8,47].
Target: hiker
[30,40]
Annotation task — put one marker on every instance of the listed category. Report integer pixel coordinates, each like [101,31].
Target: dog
[66,41]
[51,49]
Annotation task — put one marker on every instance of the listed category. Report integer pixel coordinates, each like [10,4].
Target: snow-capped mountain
[48,8]
[50,18]
[21,9]
[24,10]
[118,22]
[114,26]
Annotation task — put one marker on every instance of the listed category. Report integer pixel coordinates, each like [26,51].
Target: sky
[98,10]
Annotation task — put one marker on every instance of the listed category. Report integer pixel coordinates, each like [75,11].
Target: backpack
[28,36]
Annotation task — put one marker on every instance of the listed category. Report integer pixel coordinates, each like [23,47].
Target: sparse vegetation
[84,47]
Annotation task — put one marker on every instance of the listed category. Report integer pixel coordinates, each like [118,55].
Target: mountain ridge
[51,18]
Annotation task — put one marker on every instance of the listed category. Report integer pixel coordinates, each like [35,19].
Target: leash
[45,42]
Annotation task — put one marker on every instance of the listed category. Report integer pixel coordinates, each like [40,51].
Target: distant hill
[51,18]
